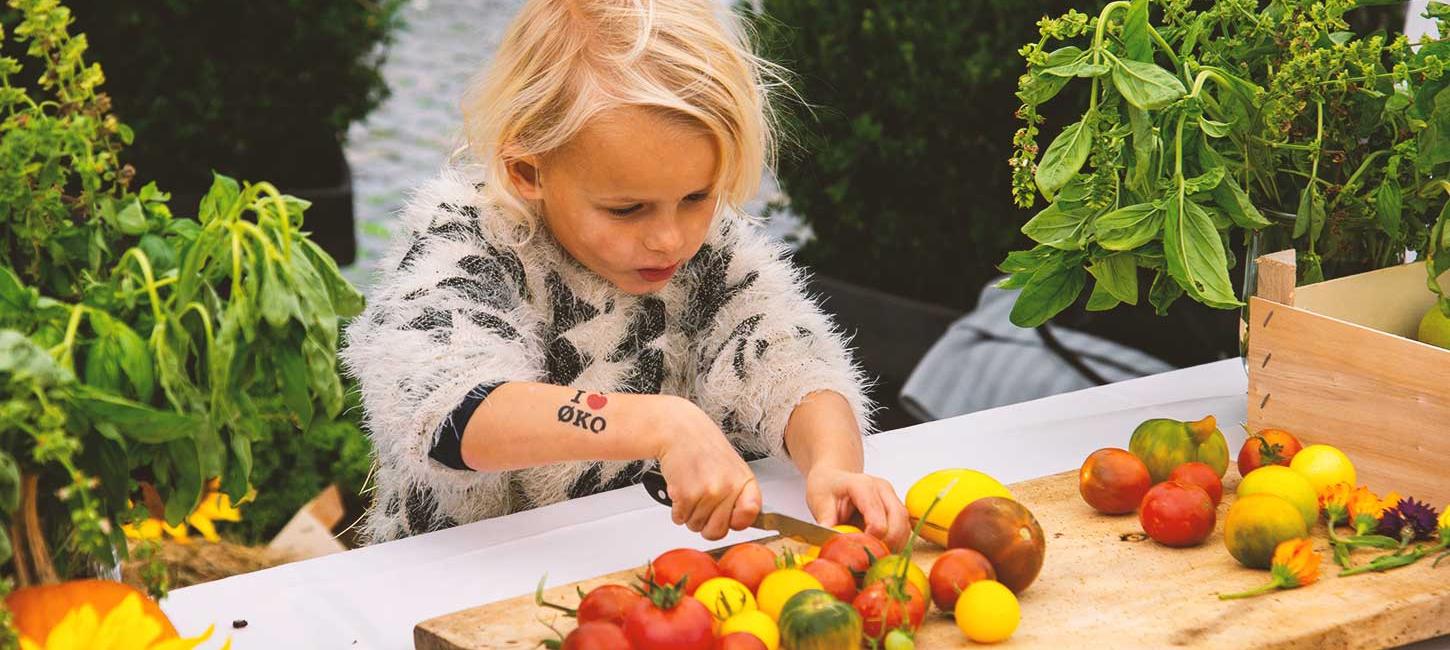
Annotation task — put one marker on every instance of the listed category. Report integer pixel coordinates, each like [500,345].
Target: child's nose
[663,235]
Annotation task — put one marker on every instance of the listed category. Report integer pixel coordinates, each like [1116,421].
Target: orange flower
[1365,509]
[1296,563]
[1334,499]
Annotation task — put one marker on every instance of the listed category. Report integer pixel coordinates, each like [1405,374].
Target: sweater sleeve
[760,344]
[449,314]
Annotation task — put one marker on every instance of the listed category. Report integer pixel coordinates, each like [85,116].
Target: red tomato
[953,572]
[855,551]
[1113,481]
[1201,475]
[607,604]
[1267,447]
[1177,514]
[836,578]
[748,563]
[683,562]
[740,641]
[596,636]
[686,626]
[882,613]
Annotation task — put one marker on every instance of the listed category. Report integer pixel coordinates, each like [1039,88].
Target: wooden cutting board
[1103,584]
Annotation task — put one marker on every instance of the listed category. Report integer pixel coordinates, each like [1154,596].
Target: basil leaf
[1026,261]
[1101,299]
[1052,289]
[1204,182]
[1387,202]
[136,421]
[1058,228]
[278,300]
[1129,227]
[1039,88]
[131,219]
[1137,40]
[322,371]
[187,481]
[1065,156]
[347,301]
[1118,275]
[1229,195]
[1163,292]
[9,484]
[1063,56]
[1195,254]
[219,200]
[1214,128]
[1083,67]
[1310,216]
[292,379]
[1144,144]
[1145,85]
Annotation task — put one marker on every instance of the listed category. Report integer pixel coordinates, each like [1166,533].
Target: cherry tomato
[855,551]
[1175,513]
[953,572]
[1202,475]
[1267,447]
[607,604]
[685,626]
[748,563]
[670,567]
[596,636]
[740,641]
[837,579]
[882,612]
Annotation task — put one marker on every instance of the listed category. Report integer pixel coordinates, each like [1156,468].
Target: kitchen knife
[787,526]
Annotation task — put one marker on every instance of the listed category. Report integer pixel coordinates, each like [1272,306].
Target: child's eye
[697,197]
[624,212]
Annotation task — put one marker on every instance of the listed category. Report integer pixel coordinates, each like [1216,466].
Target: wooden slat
[1277,277]
[1104,586]
[1382,399]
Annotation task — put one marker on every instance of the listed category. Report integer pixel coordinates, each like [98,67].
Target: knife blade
[787,526]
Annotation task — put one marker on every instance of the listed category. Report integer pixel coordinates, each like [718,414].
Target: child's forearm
[525,424]
[823,432]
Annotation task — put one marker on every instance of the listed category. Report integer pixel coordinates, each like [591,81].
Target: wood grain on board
[1103,585]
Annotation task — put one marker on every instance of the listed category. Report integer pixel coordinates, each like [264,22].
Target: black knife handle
[654,483]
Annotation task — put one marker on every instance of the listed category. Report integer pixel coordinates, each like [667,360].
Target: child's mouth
[659,275]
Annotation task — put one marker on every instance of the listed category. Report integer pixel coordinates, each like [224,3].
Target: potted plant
[139,351]
[249,89]
[1203,124]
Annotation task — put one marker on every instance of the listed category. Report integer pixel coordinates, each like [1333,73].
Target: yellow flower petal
[203,526]
[126,627]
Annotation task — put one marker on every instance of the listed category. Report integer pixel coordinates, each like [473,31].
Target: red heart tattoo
[597,402]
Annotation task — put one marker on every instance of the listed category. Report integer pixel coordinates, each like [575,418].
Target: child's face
[630,197]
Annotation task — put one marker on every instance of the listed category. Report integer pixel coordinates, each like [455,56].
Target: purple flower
[1409,515]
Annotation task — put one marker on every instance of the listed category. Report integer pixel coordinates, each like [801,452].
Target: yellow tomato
[987,612]
[755,623]
[1323,466]
[725,597]
[779,586]
[970,486]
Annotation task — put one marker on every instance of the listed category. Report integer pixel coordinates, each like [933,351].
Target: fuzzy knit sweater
[465,299]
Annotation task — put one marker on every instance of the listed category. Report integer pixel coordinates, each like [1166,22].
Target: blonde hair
[563,62]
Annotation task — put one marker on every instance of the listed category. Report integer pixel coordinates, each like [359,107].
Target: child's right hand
[713,489]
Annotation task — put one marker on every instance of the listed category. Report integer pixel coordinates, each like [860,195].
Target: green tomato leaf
[347,301]
[1065,156]
[1145,85]
[322,374]
[1129,227]
[1195,254]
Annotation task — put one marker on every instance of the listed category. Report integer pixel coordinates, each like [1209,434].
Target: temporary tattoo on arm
[580,415]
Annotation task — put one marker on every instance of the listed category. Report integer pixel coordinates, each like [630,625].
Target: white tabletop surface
[372,597]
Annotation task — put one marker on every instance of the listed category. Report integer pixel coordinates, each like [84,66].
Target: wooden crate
[1337,363]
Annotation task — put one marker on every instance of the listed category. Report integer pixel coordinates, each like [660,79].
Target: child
[584,299]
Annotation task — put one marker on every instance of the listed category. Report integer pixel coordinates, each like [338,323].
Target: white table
[372,597]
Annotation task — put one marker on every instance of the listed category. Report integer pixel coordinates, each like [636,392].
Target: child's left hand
[834,495]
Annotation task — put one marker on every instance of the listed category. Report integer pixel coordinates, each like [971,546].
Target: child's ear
[524,174]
